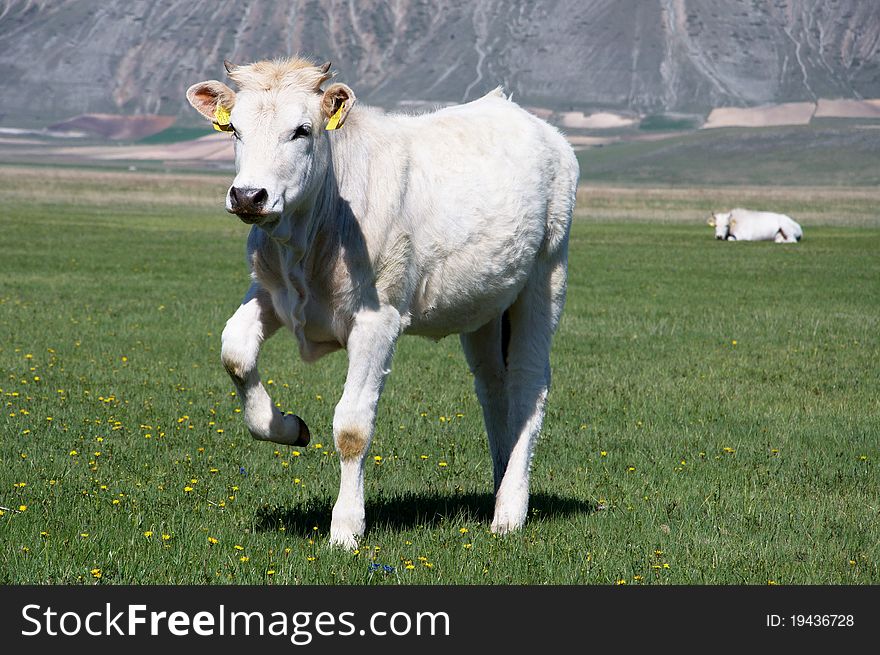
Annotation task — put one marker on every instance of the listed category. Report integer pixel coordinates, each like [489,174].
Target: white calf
[367,226]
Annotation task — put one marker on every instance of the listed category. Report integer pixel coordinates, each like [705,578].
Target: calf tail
[561,202]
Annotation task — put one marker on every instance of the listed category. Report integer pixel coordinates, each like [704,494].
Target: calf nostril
[259,197]
[233,196]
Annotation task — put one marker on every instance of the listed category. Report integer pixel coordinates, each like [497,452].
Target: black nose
[247,200]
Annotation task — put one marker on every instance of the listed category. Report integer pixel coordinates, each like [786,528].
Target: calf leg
[783,237]
[370,348]
[247,329]
[484,353]
[533,320]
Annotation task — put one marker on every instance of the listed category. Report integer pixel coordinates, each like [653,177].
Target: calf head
[277,119]
[721,223]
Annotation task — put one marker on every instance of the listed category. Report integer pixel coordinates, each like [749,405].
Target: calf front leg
[247,329]
[782,237]
[370,348]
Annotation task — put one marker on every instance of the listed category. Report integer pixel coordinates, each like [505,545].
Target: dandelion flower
[96,573]
[148,534]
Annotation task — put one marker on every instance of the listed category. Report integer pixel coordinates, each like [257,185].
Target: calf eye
[300,132]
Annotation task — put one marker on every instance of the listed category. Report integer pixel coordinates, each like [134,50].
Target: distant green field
[714,419]
[174,134]
[662,122]
[832,153]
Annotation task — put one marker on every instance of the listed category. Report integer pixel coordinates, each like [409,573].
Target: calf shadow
[410,510]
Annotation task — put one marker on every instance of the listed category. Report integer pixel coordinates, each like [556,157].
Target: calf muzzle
[248,203]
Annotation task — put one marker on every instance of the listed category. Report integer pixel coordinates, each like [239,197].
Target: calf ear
[209,97]
[337,101]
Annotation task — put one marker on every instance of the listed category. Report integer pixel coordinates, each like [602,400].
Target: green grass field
[829,153]
[715,414]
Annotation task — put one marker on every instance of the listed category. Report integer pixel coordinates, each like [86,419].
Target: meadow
[714,417]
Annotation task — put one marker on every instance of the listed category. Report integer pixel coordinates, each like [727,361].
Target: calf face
[281,151]
[721,223]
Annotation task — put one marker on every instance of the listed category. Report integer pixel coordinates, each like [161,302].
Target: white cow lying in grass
[747,225]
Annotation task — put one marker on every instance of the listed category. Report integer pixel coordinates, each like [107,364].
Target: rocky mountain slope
[61,58]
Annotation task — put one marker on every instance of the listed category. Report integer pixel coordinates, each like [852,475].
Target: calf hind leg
[485,351]
[533,320]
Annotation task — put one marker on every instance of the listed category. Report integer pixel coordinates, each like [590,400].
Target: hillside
[63,58]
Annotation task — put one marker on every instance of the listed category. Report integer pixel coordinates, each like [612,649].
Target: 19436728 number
[822,620]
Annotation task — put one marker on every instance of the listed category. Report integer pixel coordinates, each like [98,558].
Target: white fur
[431,225]
[746,225]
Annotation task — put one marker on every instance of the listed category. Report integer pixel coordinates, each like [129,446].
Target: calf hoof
[346,527]
[290,430]
[304,435]
[505,525]
[509,516]
[345,540]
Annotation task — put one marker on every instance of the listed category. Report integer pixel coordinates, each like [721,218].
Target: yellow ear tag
[333,123]
[221,119]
